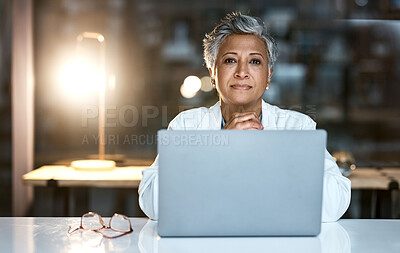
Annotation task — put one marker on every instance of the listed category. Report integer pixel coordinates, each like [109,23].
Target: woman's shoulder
[289,119]
[191,118]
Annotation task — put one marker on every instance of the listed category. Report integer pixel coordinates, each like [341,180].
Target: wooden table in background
[63,176]
[374,179]
[129,177]
[64,180]
[384,187]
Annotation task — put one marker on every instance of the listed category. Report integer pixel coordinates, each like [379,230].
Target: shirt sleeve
[148,191]
[148,188]
[336,188]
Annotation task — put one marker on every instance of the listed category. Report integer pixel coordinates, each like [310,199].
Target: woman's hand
[244,120]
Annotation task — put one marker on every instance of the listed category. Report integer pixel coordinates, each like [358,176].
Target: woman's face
[241,70]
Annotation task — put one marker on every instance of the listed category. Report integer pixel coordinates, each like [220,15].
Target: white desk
[50,235]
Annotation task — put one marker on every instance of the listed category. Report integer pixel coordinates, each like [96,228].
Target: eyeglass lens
[120,223]
[92,221]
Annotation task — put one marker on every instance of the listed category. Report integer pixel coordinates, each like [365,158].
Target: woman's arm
[148,191]
[336,193]
[148,188]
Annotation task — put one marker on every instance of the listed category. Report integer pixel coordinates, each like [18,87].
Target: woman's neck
[228,109]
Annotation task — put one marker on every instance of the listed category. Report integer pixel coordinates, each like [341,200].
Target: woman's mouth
[241,87]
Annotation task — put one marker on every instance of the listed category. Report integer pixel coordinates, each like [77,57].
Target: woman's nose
[242,71]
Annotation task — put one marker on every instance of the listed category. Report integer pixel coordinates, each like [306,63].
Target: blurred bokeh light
[191,85]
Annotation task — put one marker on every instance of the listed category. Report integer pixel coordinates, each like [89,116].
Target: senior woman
[239,54]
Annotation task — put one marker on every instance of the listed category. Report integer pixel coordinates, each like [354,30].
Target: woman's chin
[242,101]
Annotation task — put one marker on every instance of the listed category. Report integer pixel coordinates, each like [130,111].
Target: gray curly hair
[237,23]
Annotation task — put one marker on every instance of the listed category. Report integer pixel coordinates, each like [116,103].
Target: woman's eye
[255,61]
[229,60]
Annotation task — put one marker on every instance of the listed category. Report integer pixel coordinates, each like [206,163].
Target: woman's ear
[270,71]
[211,72]
[212,77]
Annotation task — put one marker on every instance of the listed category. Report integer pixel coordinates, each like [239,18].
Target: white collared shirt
[337,188]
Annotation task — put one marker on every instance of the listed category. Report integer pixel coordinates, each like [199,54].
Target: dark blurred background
[339,63]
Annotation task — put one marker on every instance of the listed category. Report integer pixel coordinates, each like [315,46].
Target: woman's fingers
[246,120]
[239,117]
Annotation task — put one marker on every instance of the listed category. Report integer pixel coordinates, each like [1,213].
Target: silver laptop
[240,183]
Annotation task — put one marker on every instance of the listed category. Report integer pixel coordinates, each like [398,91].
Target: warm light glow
[192,84]
[78,76]
[206,85]
[111,82]
[186,93]
[79,38]
[93,165]
[92,35]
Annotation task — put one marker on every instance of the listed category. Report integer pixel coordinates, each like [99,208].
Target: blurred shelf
[375,115]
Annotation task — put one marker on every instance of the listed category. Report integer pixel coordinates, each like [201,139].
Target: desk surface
[50,235]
